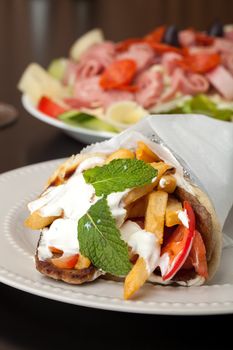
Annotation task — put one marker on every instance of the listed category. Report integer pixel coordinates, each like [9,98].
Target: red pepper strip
[201,62]
[163,48]
[191,216]
[119,73]
[124,45]
[156,35]
[203,39]
[179,244]
[47,106]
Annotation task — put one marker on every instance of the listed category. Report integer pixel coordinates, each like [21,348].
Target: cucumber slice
[57,68]
[84,120]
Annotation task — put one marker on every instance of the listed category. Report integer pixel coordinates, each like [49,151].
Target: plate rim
[13,279]
[30,108]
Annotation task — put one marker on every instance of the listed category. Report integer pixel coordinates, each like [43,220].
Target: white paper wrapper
[203,146]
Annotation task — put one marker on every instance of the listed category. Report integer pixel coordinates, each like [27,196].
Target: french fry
[143,152]
[171,217]
[139,192]
[167,183]
[155,213]
[36,222]
[135,278]
[162,168]
[137,209]
[121,153]
[82,263]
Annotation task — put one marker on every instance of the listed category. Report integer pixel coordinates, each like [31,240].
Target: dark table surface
[38,31]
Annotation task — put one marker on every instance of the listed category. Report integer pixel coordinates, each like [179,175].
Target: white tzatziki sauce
[182,215]
[143,243]
[71,201]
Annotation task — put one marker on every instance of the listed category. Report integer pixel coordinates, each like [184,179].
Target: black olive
[171,36]
[216,29]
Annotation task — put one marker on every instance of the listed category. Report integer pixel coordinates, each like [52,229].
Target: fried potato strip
[135,278]
[36,222]
[155,213]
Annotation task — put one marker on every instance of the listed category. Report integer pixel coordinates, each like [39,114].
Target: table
[39,30]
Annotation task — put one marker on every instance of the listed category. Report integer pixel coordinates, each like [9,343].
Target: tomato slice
[156,35]
[179,244]
[200,63]
[47,106]
[197,256]
[65,262]
[118,74]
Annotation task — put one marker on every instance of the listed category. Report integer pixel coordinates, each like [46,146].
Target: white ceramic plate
[17,269]
[81,134]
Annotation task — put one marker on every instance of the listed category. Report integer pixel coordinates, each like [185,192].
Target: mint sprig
[119,175]
[100,240]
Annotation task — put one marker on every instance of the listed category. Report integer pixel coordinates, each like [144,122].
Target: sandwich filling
[121,214]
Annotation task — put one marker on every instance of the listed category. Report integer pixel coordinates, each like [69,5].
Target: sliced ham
[88,68]
[202,49]
[169,61]
[150,84]
[142,54]
[70,73]
[91,63]
[95,60]
[113,96]
[227,61]
[88,93]
[222,80]
[103,52]
[192,83]
[187,83]
[187,38]
[229,35]
[223,45]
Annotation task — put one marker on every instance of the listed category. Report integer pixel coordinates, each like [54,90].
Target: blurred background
[39,30]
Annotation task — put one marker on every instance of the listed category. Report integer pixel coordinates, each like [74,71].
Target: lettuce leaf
[202,104]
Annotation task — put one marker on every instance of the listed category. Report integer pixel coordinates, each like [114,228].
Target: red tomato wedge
[179,244]
[200,63]
[197,256]
[65,262]
[156,35]
[118,74]
[47,106]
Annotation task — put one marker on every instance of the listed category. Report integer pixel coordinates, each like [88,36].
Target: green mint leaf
[100,240]
[119,175]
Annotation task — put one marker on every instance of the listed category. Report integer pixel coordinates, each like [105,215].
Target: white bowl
[84,135]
